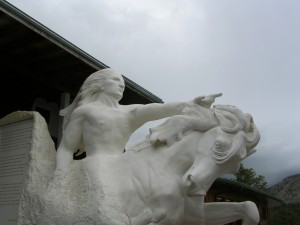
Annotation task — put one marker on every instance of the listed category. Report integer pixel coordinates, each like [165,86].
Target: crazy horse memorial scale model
[162,180]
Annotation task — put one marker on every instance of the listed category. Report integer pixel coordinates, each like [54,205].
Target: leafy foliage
[288,214]
[248,176]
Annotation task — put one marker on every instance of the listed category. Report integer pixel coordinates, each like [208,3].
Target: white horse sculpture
[188,167]
[162,180]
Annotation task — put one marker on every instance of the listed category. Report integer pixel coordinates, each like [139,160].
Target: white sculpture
[162,180]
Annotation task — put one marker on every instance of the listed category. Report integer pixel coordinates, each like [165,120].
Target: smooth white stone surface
[162,180]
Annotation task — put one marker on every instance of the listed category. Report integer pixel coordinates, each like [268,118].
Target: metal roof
[35,60]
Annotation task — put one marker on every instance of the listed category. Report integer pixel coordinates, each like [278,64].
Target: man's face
[114,86]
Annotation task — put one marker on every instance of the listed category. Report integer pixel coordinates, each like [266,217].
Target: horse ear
[228,121]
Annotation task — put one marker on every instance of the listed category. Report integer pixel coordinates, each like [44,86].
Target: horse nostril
[189,178]
[188,182]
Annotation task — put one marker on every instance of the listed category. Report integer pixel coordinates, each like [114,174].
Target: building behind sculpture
[226,190]
[42,71]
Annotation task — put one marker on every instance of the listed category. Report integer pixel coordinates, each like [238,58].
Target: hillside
[288,189]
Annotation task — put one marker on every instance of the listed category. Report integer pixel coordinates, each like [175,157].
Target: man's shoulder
[130,107]
[81,110]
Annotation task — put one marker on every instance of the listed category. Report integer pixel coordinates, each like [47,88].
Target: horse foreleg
[199,213]
[226,212]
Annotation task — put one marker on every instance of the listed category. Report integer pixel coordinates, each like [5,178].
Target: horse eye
[218,145]
[222,144]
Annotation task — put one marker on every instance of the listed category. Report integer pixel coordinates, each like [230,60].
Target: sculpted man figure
[97,122]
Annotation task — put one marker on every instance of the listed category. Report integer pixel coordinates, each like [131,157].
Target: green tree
[248,176]
[288,214]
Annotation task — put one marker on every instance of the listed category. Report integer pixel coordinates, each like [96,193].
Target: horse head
[183,156]
[221,149]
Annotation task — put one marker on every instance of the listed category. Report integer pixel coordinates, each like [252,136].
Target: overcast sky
[179,49]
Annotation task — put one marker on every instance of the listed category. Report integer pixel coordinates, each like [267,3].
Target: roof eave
[69,47]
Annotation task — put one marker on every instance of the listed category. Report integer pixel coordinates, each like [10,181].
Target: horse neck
[180,155]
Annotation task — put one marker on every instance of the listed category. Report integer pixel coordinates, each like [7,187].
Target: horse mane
[233,120]
[229,118]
